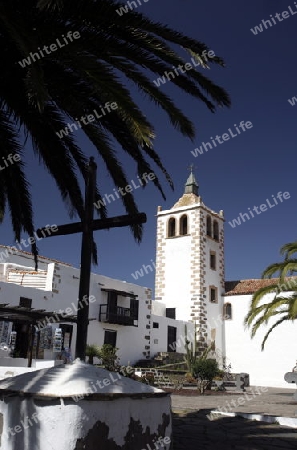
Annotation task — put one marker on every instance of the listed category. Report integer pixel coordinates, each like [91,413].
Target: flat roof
[123,293]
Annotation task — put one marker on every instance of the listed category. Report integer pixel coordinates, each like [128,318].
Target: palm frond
[285,305]
[16,188]
[260,294]
[39,94]
[263,320]
[289,249]
[271,270]
[271,329]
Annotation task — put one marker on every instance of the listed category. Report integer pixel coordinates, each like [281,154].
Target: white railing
[27,278]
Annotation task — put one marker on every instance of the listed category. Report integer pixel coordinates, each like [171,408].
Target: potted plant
[219,380]
[92,351]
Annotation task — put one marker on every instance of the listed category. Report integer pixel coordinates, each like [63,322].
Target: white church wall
[215,325]
[212,277]
[214,309]
[159,335]
[178,275]
[266,368]
[209,312]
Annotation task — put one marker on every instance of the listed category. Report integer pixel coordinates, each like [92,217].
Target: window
[112,300]
[213,294]
[171,339]
[155,325]
[110,337]
[171,227]
[183,225]
[134,308]
[170,313]
[216,230]
[25,302]
[227,311]
[208,226]
[212,260]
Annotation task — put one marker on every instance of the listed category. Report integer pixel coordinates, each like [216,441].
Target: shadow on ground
[193,430]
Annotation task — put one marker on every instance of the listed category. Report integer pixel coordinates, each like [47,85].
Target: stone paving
[192,429]
[275,401]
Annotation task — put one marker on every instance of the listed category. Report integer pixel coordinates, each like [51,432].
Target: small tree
[109,358]
[205,370]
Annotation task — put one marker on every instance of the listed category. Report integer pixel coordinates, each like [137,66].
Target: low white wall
[29,425]
[15,362]
[14,370]
[266,368]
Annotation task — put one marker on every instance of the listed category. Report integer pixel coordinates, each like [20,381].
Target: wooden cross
[86,227]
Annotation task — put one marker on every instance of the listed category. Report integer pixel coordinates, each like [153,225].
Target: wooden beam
[98,224]
[86,263]
[31,342]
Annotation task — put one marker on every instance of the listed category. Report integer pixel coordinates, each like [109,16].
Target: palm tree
[284,303]
[64,59]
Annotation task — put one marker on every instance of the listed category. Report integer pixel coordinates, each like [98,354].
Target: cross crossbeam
[98,224]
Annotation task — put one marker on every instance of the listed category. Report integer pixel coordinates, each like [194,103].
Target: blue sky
[260,76]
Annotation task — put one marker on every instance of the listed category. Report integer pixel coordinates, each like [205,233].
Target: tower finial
[191,167]
[191,186]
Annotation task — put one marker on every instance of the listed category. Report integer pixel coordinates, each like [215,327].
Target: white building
[190,290]
[120,313]
[190,277]
[266,368]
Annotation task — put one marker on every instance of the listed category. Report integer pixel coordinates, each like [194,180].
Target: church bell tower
[190,262]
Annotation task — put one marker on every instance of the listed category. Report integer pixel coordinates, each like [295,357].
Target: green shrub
[148,378]
[109,358]
[204,371]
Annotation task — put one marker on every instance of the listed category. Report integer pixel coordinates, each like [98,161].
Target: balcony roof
[122,293]
[30,315]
